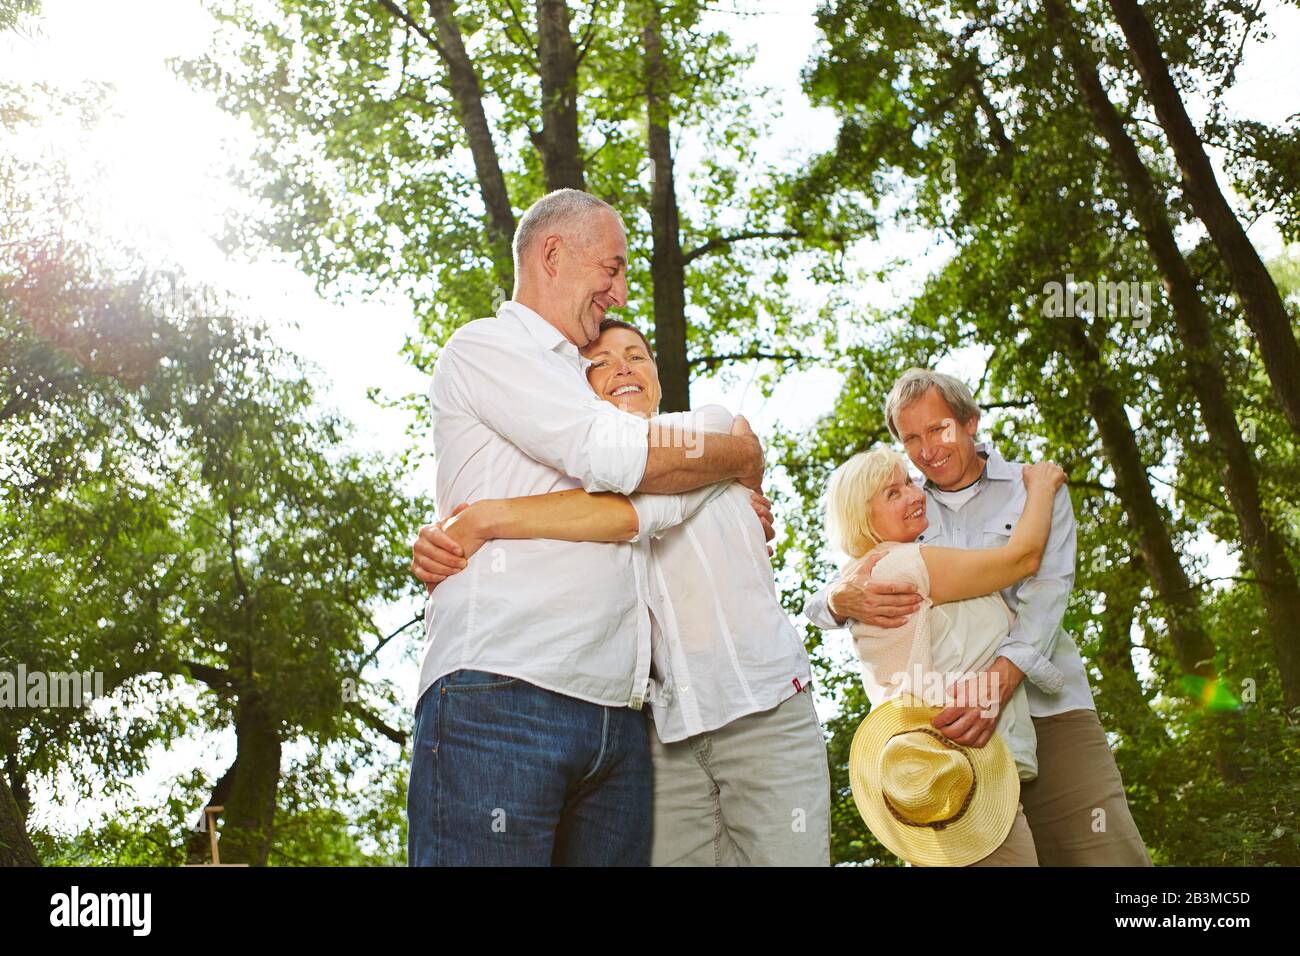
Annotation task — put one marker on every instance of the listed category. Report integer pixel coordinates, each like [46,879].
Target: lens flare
[1211,694]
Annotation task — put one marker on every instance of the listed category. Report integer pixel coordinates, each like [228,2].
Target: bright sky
[166,152]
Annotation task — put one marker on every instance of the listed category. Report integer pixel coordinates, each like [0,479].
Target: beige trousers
[1017,849]
[753,793]
[1075,813]
[1076,809]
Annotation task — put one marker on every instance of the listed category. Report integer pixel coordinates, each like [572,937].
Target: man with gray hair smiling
[530,744]
[1076,808]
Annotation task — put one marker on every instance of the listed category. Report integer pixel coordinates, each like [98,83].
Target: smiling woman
[623,368]
[876,514]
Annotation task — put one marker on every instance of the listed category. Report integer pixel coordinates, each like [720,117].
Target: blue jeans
[505,773]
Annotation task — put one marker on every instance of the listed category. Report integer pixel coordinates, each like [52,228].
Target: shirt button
[1008,527]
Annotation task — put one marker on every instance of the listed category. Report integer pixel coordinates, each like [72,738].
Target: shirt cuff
[817,609]
[653,516]
[618,452]
[1045,675]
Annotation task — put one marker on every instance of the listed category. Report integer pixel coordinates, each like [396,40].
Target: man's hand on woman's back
[763,508]
[882,604]
[753,477]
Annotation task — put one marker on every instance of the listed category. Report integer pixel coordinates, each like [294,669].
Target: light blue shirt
[1055,677]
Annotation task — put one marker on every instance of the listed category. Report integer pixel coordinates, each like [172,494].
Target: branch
[984,376]
[406,18]
[720,241]
[375,722]
[585,42]
[875,437]
[296,861]
[233,540]
[214,677]
[1089,485]
[419,617]
[1229,76]
[18,784]
[588,157]
[524,42]
[1217,505]
[16,405]
[1183,492]
[1199,585]
[709,361]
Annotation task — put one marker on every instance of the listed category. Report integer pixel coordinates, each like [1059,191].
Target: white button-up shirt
[723,645]
[513,415]
[1037,644]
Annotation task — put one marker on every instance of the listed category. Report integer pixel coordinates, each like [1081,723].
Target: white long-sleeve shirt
[723,645]
[513,415]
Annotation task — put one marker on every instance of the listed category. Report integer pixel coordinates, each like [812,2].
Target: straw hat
[930,800]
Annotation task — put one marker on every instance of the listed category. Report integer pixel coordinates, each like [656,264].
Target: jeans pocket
[464,680]
[428,719]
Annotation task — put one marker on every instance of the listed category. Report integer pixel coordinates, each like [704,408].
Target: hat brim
[977,833]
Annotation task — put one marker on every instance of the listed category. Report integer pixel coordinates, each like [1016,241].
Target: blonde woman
[875,511]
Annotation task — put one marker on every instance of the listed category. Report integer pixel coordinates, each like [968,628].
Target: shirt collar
[995,466]
[547,335]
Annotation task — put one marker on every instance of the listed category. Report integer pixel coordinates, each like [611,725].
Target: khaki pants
[1017,849]
[1075,813]
[753,793]
[1076,808]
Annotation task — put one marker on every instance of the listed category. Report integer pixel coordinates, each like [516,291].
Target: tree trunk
[246,826]
[1260,299]
[1262,545]
[468,96]
[198,846]
[1121,692]
[15,845]
[1181,611]
[1193,648]
[667,268]
[560,145]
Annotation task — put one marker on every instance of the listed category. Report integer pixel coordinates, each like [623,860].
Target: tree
[1262,541]
[174,508]
[365,111]
[965,121]
[1260,301]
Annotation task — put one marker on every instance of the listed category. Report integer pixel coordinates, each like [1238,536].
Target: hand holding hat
[931,801]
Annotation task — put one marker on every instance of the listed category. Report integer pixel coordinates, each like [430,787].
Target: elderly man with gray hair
[530,743]
[1076,808]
